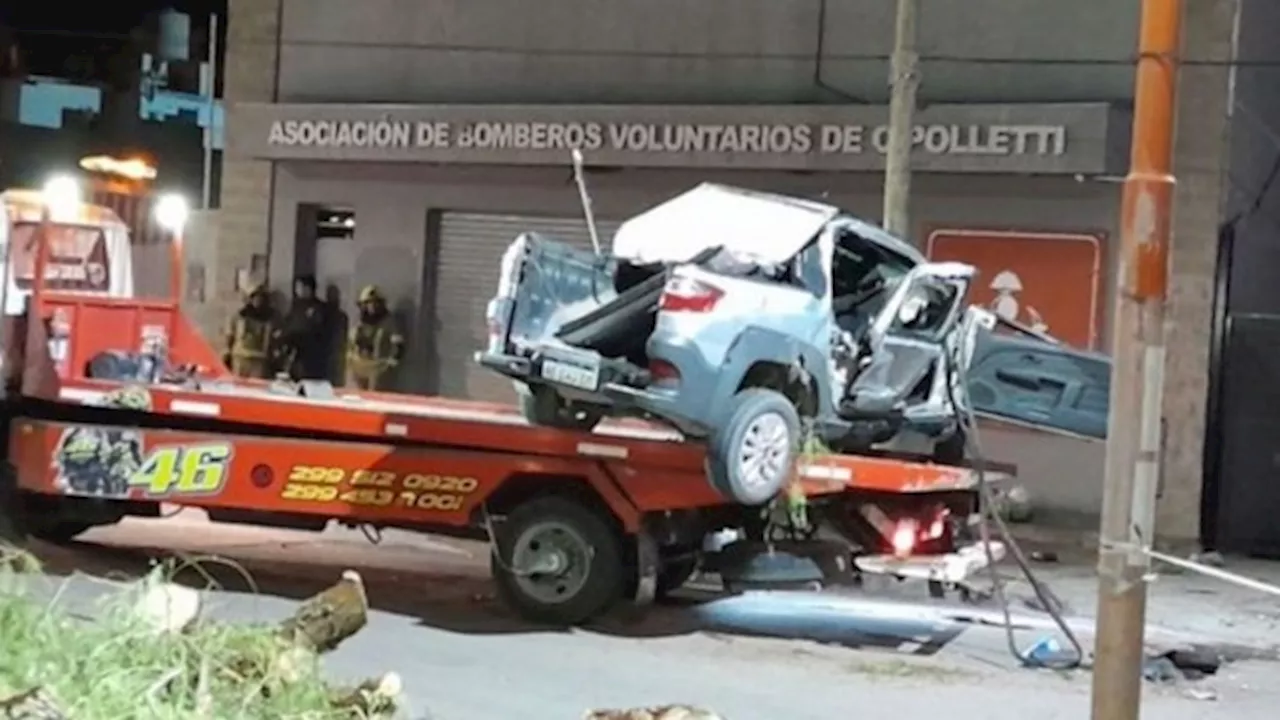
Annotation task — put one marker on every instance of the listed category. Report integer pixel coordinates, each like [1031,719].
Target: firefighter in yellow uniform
[375,346]
[248,336]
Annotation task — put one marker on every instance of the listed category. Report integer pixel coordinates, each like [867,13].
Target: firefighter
[249,335]
[376,345]
[302,338]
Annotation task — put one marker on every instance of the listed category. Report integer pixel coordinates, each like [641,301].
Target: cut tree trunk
[325,620]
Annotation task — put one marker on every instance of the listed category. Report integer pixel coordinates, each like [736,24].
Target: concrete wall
[710,51]
[1200,164]
[249,75]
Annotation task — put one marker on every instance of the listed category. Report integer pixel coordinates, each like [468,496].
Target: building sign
[1050,282]
[667,138]
[958,138]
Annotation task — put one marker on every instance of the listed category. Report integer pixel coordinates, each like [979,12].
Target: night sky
[82,41]
[116,16]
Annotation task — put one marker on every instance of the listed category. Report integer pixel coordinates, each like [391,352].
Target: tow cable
[988,515]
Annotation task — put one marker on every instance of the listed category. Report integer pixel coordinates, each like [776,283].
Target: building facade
[439,130]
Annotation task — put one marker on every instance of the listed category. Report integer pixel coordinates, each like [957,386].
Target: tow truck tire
[760,426]
[674,574]
[566,533]
[543,407]
[13,529]
[59,532]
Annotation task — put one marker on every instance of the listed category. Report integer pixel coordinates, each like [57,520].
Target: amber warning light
[130,168]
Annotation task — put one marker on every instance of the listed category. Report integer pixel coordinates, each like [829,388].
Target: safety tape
[1201,568]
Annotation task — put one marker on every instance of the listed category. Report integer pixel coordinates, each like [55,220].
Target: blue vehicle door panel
[1033,382]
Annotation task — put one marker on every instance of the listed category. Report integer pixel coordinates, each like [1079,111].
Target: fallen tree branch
[329,617]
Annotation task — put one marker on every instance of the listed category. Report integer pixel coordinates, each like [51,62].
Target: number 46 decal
[189,470]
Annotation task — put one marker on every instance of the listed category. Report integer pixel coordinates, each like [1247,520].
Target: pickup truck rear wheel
[753,451]
[558,562]
[543,407]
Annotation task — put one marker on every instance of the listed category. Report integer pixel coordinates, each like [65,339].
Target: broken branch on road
[150,653]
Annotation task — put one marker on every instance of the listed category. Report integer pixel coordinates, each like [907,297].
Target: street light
[171,213]
[62,197]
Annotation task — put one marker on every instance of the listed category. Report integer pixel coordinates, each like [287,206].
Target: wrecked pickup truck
[755,321]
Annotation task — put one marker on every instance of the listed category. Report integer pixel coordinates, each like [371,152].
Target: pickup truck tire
[579,550]
[543,407]
[752,453]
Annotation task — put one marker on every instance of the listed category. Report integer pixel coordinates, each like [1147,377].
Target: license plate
[585,376]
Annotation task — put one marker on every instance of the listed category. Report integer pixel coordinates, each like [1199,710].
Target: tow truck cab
[89,250]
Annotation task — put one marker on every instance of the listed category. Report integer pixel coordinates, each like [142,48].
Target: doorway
[326,248]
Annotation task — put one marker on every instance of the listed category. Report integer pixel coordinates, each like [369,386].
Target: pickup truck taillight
[495,317]
[683,294]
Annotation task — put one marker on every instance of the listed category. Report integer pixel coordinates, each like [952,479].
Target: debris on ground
[1202,694]
[149,654]
[1211,558]
[1014,504]
[1181,664]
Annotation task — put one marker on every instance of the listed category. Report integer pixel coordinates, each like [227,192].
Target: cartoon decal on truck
[102,461]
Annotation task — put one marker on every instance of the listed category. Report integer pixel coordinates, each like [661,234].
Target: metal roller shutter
[471,247]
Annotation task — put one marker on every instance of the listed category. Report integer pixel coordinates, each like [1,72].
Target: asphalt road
[462,656]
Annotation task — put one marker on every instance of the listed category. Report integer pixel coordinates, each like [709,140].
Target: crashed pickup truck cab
[751,320]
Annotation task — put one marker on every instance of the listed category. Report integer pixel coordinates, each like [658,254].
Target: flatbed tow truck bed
[580,521]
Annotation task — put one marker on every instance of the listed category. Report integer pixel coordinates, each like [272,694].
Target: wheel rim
[763,453]
[551,561]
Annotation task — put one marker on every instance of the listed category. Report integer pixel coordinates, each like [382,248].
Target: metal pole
[904,81]
[175,266]
[206,187]
[40,263]
[1133,441]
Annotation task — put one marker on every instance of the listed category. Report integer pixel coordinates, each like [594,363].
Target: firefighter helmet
[370,293]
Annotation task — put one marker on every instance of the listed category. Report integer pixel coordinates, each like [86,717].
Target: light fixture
[172,211]
[61,195]
[130,168]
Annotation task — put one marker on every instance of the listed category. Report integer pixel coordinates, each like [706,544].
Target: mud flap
[647,564]
[12,523]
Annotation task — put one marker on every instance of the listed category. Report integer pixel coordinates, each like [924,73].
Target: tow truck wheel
[674,573]
[542,406]
[752,452]
[558,562]
[58,532]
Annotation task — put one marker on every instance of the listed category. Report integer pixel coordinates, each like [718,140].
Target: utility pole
[904,81]
[209,88]
[1138,343]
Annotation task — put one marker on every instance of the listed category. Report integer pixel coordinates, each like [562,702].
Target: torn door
[1026,380]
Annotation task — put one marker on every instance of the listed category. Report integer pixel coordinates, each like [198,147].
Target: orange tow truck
[579,521]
